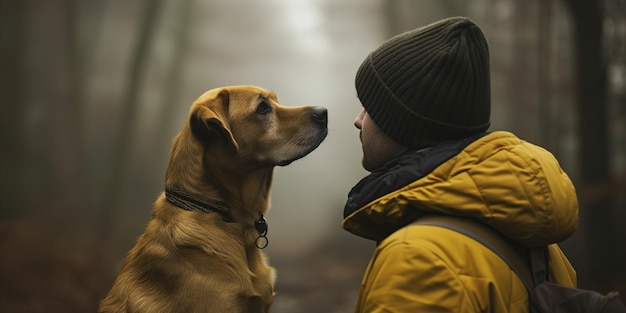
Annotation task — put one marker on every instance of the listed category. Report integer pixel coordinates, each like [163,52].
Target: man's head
[428,85]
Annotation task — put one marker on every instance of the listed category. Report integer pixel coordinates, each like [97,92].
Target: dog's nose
[320,115]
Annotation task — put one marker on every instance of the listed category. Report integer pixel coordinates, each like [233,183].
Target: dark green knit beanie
[430,84]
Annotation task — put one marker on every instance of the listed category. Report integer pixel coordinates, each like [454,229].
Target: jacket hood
[514,186]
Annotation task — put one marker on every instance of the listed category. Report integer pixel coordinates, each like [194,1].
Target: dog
[201,250]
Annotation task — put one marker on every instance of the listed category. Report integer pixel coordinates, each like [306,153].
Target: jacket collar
[402,171]
[398,173]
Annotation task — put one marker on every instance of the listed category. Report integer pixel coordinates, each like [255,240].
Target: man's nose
[358,121]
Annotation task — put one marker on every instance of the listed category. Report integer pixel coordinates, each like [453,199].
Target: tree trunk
[114,186]
[597,214]
[547,121]
[174,81]
[12,23]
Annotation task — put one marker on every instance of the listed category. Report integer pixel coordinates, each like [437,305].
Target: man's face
[378,148]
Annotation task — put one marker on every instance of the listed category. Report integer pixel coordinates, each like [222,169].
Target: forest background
[93,91]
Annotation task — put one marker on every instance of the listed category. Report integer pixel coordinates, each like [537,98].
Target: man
[426,107]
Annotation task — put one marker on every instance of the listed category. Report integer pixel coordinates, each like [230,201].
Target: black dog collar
[190,203]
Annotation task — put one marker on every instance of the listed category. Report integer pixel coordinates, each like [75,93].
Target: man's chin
[367,166]
[284,162]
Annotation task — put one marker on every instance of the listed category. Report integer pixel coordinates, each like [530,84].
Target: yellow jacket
[511,185]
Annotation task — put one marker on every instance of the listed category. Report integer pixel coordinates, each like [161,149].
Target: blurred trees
[45,244]
[69,130]
[58,200]
[42,113]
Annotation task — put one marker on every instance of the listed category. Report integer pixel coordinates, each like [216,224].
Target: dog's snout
[320,115]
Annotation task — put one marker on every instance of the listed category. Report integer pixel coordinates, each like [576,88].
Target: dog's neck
[188,202]
[204,174]
[205,183]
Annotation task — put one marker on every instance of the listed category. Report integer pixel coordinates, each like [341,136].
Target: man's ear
[209,120]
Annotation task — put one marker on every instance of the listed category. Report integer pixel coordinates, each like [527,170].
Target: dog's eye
[264,108]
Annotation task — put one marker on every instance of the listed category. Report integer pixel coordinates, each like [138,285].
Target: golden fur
[192,261]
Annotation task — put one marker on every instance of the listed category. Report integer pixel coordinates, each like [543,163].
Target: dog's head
[243,128]
[249,122]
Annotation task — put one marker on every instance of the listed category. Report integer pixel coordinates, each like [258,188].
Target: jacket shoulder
[443,269]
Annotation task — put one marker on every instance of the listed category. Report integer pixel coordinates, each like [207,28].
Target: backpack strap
[510,252]
[538,264]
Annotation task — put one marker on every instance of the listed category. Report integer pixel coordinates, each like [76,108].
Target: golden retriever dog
[201,250]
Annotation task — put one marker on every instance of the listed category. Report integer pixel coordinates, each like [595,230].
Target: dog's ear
[209,120]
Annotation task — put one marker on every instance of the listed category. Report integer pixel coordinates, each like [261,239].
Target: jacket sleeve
[410,278]
[561,271]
